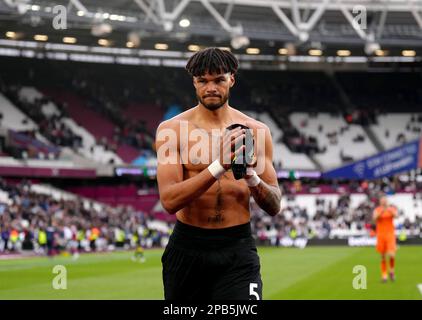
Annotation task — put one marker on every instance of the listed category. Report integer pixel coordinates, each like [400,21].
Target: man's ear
[232,80]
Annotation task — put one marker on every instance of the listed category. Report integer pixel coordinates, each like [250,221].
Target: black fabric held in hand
[246,157]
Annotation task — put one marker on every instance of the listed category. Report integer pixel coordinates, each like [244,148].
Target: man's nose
[211,87]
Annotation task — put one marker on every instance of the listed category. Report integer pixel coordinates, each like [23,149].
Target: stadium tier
[338,142]
[91,118]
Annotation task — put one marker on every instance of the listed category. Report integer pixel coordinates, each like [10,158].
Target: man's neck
[216,118]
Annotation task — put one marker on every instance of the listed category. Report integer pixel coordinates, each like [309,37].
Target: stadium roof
[265,23]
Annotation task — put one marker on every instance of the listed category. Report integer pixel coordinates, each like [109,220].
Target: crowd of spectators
[333,219]
[39,223]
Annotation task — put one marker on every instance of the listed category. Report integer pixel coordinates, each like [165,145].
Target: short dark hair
[212,60]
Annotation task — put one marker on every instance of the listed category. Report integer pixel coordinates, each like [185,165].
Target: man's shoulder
[174,122]
[256,123]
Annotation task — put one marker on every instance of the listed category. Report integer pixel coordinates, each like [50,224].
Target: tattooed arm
[268,197]
[267,193]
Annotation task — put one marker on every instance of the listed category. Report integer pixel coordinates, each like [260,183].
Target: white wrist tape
[216,169]
[254,180]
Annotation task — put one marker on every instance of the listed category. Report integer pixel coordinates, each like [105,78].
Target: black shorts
[211,264]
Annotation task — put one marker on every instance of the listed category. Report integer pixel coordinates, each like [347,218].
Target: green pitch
[311,273]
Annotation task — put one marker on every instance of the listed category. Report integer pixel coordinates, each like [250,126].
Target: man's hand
[250,166]
[228,141]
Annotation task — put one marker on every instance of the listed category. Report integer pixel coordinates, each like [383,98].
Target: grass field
[311,273]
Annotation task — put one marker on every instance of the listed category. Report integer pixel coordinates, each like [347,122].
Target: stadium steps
[371,135]
[89,125]
[316,163]
[291,160]
[16,119]
[344,141]
[98,153]
[396,124]
[94,122]
[348,103]
[99,156]
[13,117]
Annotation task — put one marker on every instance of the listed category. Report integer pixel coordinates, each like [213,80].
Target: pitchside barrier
[351,242]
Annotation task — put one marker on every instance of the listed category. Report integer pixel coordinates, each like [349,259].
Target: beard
[218,102]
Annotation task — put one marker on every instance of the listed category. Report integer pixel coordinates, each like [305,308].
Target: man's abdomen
[223,205]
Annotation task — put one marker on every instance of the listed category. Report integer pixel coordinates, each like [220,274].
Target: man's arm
[376,214]
[176,193]
[267,193]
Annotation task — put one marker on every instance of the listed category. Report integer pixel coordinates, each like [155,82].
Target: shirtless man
[211,253]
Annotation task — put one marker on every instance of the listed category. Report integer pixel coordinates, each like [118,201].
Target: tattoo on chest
[218,216]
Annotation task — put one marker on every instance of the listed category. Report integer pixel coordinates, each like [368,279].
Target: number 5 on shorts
[252,292]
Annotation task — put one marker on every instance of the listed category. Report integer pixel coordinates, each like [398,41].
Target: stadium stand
[283,157]
[29,209]
[96,131]
[116,109]
[341,142]
[396,129]
[339,215]
[56,129]
[311,211]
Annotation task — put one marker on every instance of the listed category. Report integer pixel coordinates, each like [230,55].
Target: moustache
[211,95]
